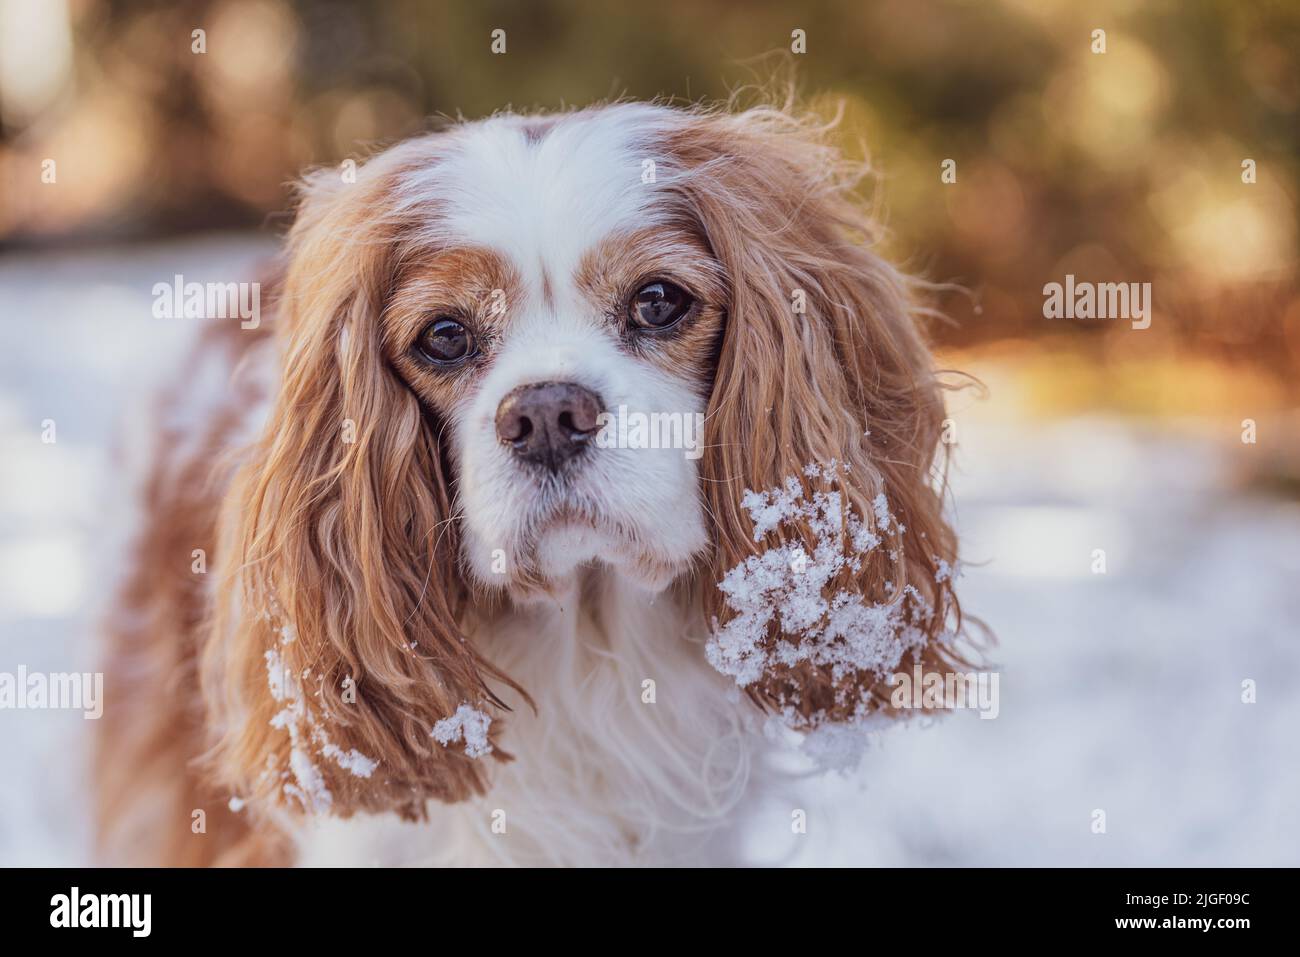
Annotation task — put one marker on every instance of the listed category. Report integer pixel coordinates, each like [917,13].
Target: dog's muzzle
[548,423]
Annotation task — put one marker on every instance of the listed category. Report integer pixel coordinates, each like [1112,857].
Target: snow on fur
[840,746]
[467,723]
[306,735]
[783,614]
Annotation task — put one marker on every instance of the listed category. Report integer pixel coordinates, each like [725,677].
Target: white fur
[542,204]
[601,777]
[651,494]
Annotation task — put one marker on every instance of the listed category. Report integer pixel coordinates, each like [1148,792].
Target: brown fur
[350,543]
[850,381]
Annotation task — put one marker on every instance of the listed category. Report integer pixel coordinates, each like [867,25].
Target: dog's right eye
[445,341]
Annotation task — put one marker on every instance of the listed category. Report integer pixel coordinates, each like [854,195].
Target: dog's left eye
[659,304]
[445,341]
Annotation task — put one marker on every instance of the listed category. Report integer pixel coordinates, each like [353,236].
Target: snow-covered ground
[1120,692]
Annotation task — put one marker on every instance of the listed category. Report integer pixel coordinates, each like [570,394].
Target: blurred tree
[1117,166]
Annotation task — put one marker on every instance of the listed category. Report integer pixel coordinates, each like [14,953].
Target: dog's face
[458,324]
[561,296]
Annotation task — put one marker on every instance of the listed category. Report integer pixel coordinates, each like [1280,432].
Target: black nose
[548,423]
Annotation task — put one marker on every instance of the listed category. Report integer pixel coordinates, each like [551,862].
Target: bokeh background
[1121,691]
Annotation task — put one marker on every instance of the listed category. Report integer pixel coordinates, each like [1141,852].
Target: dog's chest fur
[639,753]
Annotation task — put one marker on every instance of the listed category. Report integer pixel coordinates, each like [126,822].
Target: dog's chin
[548,564]
[571,544]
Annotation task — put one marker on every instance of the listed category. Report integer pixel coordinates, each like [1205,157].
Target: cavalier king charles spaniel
[454,615]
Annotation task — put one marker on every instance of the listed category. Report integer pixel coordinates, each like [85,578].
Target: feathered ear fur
[335,647]
[819,472]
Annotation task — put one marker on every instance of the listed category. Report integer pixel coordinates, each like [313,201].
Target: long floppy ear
[335,649]
[832,553]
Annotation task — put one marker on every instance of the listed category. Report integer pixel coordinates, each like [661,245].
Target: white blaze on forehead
[544,202]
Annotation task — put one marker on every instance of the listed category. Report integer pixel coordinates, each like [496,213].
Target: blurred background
[1174,449]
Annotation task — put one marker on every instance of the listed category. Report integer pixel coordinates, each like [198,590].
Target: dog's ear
[336,649]
[819,473]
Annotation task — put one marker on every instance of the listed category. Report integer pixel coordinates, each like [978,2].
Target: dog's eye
[445,341]
[659,304]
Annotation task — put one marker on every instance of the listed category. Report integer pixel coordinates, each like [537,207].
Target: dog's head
[525,345]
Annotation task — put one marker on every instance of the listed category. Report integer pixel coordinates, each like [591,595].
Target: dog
[455,619]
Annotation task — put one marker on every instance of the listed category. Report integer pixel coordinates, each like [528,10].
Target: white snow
[839,746]
[786,587]
[468,724]
[311,790]
[306,729]
[352,761]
